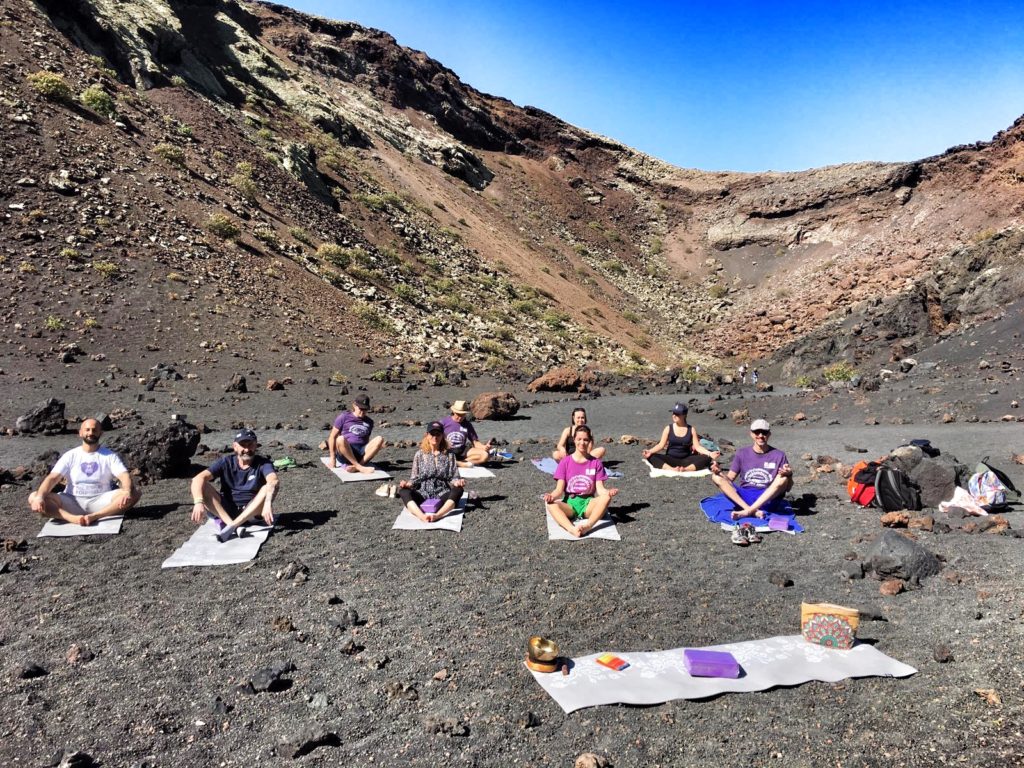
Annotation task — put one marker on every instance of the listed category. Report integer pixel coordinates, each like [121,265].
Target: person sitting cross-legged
[435,475]
[758,477]
[350,442]
[248,484]
[580,492]
[88,472]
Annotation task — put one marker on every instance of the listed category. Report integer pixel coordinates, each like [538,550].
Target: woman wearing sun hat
[462,438]
[681,443]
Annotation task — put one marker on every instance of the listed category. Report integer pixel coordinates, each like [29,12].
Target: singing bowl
[541,649]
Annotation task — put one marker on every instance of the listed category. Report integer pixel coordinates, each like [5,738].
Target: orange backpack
[861,485]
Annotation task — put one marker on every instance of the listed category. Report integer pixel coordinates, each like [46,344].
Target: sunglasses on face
[760,431]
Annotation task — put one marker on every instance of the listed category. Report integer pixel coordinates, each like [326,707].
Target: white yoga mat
[407,521]
[660,676]
[106,526]
[759,528]
[604,529]
[655,472]
[354,477]
[469,473]
[203,548]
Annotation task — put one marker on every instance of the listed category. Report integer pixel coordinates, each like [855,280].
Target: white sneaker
[384,490]
[392,490]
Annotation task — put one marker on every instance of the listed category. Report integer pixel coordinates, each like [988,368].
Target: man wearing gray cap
[248,484]
[758,476]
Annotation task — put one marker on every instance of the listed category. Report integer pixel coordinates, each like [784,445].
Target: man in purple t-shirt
[350,438]
[758,476]
[462,438]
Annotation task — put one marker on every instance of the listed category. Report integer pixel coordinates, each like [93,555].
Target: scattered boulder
[237,384]
[30,671]
[160,454]
[447,726]
[273,385]
[942,654]
[562,379]
[896,556]
[895,520]
[269,678]
[590,760]
[937,478]
[891,587]
[906,458]
[780,579]
[305,740]
[922,523]
[852,570]
[741,416]
[46,418]
[496,406]
[79,654]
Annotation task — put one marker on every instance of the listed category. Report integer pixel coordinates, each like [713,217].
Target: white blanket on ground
[655,472]
[468,473]
[354,477]
[203,548]
[604,529]
[964,500]
[407,521]
[106,526]
[660,676]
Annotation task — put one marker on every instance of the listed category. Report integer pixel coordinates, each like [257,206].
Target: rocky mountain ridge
[244,171]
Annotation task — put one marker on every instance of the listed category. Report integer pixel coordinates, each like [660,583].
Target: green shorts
[578,504]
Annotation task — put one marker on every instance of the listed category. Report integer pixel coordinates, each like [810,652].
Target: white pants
[86,505]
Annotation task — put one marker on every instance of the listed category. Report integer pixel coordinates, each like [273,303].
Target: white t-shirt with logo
[89,474]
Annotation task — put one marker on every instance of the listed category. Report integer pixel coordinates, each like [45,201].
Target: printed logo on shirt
[757,478]
[457,439]
[580,485]
[90,467]
[250,478]
[358,430]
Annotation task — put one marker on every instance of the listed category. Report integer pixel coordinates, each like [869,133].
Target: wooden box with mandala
[834,626]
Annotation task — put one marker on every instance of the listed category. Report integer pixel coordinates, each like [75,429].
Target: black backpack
[895,491]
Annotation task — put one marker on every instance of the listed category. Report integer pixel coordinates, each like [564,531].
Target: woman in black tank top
[565,445]
[681,443]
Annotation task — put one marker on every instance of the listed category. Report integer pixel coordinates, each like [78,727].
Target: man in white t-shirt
[88,473]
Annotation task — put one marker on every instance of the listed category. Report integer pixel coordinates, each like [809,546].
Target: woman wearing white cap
[681,443]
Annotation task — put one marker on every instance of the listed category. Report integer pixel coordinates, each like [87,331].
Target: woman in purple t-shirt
[579,493]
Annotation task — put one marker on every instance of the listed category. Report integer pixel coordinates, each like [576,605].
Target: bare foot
[367,470]
[613,492]
[584,529]
[84,520]
[428,518]
[350,468]
[759,514]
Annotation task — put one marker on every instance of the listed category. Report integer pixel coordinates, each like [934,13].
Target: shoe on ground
[753,537]
[739,536]
[384,490]
[392,490]
[226,534]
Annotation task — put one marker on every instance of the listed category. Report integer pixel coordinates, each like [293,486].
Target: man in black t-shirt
[248,484]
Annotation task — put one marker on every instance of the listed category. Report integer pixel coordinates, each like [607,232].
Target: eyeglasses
[761,431]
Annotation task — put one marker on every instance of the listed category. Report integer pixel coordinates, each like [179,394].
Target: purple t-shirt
[356,430]
[460,435]
[580,479]
[756,470]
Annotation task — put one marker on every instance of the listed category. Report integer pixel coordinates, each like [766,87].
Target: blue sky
[730,85]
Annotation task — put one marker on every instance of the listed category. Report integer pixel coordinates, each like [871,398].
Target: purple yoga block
[710,663]
[778,523]
[430,506]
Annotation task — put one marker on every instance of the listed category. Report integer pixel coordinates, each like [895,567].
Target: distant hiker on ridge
[88,473]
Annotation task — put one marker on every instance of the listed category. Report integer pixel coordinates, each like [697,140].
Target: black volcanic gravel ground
[443,618]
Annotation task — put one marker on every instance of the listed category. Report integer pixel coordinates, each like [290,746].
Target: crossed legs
[778,488]
[357,460]
[65,507]
[596,507]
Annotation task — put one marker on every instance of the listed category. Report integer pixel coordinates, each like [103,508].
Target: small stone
[29,671]
[891,587]
[441,675]
[942,654]
[446,726]
[282,624]
[895,520]
[529,720]
[590,760]
[923,523]
[319,700]
[79,654]
[854,449]
[302,742]
[948,418]
[871,613]
[984,365]
[780,580]
[799,416]
[852,571]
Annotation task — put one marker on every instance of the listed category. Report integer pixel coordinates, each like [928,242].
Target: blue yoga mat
[719,509]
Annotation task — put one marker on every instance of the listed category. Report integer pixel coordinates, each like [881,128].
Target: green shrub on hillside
[172,154]
[841,371]
[219,225]
[98,100]
[51,86]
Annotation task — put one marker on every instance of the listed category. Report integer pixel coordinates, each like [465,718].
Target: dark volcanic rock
[159,454]
[46,418]
[495,406]
[237,384]
[29,671]
[937,478]
[897,556]
[305,740]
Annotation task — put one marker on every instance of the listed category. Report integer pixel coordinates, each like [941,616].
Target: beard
[90,440]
